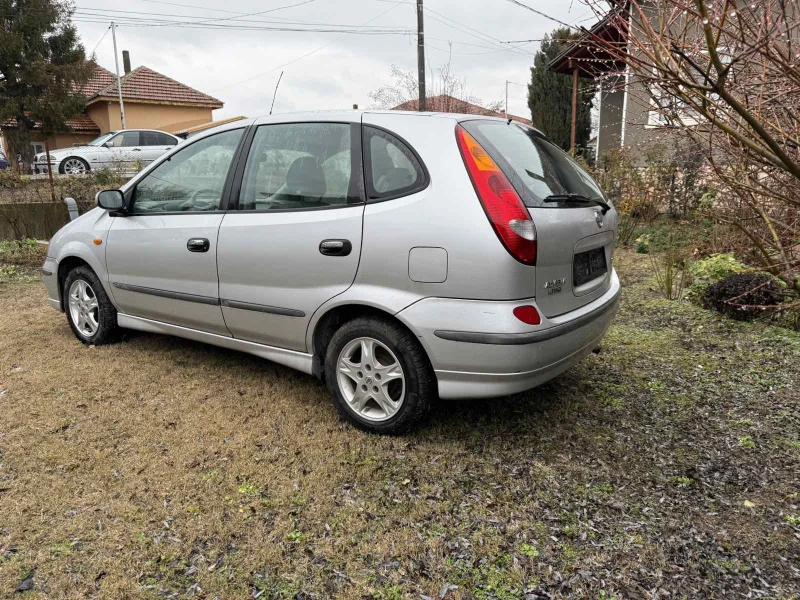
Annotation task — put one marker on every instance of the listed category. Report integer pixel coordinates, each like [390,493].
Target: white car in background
[127,149]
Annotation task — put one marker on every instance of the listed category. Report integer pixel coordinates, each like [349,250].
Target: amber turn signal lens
[97,241]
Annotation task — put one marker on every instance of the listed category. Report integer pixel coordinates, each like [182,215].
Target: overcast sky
[241,67]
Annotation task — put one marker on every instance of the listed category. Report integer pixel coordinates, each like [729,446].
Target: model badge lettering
[554,285]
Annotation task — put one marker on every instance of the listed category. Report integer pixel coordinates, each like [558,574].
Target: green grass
[220,471]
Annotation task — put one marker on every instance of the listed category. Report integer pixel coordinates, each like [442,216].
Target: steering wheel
[204,204]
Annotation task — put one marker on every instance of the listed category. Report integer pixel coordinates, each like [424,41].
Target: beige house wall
[98,112]
[140,115]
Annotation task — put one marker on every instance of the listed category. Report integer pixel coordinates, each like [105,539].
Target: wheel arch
[330,321]
[65,266]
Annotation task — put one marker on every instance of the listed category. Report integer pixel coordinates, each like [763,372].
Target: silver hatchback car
[400,257]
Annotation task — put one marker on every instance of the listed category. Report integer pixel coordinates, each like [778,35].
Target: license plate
[588,265]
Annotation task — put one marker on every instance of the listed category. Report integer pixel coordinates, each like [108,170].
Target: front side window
[125,139]
[191,180]
[99,141]
[296,166]
[392,168]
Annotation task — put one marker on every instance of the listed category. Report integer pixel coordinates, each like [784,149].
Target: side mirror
[107,145]
[111,200]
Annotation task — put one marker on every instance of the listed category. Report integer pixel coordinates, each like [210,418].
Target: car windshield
[536,167]
[99,141]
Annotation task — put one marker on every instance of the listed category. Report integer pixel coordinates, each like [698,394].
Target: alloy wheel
[84,308]
[74,166]
[371,379]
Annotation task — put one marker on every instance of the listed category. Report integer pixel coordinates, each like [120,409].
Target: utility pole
[421,56]
[506,113]
[119,81]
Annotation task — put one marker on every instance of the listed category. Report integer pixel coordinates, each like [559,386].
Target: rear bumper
[501,355]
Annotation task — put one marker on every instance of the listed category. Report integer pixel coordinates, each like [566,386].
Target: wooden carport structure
[596,53]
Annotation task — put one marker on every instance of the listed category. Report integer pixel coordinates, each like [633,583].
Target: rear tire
[379,376]
[90,313]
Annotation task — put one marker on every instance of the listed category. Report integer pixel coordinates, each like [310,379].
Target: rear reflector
[500,201]
[528,314]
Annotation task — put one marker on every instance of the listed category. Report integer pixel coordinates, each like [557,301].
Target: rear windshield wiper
[578,199]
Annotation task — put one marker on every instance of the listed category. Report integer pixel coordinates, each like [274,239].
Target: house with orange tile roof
[448,104]
[151,101]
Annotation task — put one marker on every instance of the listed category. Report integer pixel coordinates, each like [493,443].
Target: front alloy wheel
[74,166]
[90,313]
[84,308]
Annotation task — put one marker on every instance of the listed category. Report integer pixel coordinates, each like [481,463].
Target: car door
[162,255]
[126,150]
[292,238]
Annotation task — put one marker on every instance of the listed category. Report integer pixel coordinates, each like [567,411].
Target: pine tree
[550,94]
[42,67]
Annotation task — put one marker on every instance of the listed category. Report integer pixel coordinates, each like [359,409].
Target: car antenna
[275,93]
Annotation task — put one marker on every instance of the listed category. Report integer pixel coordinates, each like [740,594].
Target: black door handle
[335,247]
[198,245]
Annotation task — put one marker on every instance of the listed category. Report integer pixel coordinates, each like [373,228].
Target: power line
[541,14]
[308,53]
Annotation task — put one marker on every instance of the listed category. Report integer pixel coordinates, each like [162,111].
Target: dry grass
[159,467]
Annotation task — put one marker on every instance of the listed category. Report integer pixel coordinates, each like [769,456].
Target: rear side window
[149,138]
[536,167]
[165,140]
[297,166]
[392,169]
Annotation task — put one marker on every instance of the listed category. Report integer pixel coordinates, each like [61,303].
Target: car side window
[165,140]
[191,180]
[149,138]
[297,166]
[125,139]
[392,169]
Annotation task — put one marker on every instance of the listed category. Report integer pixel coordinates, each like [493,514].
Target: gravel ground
[667,466]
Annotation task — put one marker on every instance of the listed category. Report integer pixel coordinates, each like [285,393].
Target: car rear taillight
[500,201]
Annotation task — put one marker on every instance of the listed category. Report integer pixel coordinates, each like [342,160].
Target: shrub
[671,273]
[710,270]
[642,244]
[744,296]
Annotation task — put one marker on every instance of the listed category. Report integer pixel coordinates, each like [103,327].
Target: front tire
[90,313]
[73,165]
[379,376]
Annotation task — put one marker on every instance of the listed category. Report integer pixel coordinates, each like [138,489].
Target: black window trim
[372,195]
[356,169]
[130,194]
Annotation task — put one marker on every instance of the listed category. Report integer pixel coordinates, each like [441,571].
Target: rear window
[536,167]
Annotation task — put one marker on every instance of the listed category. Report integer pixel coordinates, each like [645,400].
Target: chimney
[126,61]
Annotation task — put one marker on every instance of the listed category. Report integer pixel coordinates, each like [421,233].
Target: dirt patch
[665,466]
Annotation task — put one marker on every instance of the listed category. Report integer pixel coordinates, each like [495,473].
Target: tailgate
[573,262]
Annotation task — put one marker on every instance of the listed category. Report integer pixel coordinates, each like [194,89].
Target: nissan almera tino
[400,257]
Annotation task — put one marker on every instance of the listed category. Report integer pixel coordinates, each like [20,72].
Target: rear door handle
[335,247]
[198,245]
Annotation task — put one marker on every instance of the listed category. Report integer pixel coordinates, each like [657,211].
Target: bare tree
[727,75]
[405,90]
